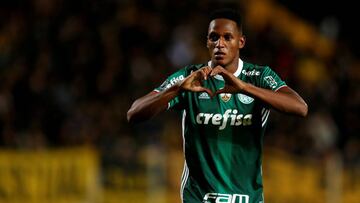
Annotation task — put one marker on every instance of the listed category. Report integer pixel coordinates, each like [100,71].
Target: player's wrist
[177,88]
[243,86]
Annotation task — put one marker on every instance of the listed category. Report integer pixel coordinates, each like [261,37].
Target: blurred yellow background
[69,71]
[73,175]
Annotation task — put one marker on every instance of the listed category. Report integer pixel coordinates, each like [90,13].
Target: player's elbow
[136,115]
[303,110]
[131,116]
[298,109]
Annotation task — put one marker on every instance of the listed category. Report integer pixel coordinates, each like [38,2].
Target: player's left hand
[232,83]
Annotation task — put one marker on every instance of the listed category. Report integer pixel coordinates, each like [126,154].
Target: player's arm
[284,99]
[154,103]
[151,104]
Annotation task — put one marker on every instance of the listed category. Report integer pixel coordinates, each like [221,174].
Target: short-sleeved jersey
[223,137]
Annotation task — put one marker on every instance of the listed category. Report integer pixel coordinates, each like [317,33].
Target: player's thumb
[223,90]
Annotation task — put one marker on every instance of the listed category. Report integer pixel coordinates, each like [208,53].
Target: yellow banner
[66,175]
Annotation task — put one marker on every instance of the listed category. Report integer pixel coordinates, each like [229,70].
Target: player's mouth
[219,55]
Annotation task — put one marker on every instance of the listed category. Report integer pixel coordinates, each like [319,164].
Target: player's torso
[226,116]
[223,110]
[223,139]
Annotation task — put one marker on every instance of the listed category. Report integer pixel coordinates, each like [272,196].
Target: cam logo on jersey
[225,198]
[244,98]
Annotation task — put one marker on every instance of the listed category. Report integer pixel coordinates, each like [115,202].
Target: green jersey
[223,137]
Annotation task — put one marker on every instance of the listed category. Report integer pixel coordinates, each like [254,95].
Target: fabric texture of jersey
[223,137]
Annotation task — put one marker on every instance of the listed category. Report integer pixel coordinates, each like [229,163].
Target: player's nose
[220,43]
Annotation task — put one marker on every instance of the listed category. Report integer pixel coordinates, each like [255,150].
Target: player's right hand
[194,82]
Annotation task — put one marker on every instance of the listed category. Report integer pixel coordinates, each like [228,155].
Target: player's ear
[242,40]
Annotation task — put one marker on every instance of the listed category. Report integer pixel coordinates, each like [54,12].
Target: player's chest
[223,110]
[242,103]
[222,102]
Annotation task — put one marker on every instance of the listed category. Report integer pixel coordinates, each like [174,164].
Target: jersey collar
[237,72]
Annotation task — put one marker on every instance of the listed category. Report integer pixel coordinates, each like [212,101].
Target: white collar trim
[237,72]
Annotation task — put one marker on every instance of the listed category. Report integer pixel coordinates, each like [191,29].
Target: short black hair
[227,13]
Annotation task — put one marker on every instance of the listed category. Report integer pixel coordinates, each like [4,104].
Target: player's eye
[228,37]
[213,37]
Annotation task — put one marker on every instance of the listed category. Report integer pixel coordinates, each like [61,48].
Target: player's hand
[194,81]
[232,83]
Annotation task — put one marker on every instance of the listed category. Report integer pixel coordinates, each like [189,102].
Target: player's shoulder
[185,71]
[193,67]
[253,66]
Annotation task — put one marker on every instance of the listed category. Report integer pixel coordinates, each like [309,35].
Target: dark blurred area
[69,71]
[333,18]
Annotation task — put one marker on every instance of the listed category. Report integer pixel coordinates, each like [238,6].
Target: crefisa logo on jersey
[221,120]
[245,99]
[225,198]
[168,83]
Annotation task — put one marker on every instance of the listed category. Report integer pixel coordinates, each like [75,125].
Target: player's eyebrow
[225,33]
[229,33]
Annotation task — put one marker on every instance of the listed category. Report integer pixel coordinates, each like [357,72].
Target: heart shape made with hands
[194,81]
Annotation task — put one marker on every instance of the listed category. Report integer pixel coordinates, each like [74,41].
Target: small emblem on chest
[225,96]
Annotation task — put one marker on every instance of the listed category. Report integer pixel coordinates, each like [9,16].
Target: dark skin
[224,41]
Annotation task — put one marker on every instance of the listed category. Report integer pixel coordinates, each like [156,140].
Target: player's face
[224,41]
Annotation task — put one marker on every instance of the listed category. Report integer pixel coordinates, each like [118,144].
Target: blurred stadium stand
[69,71]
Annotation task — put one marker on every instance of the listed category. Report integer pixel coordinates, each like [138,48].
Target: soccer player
[226,104]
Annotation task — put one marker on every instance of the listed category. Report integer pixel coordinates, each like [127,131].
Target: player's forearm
[285,100]
[151,104]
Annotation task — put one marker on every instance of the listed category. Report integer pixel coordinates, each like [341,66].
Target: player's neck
[233,66]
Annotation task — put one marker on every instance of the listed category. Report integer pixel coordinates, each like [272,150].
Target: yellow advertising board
[64,175]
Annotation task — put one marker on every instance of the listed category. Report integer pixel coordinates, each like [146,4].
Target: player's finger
[201,74]
[220,91]
[204,74]
[207,70]
[223,90]
[197,83]
[215,71]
